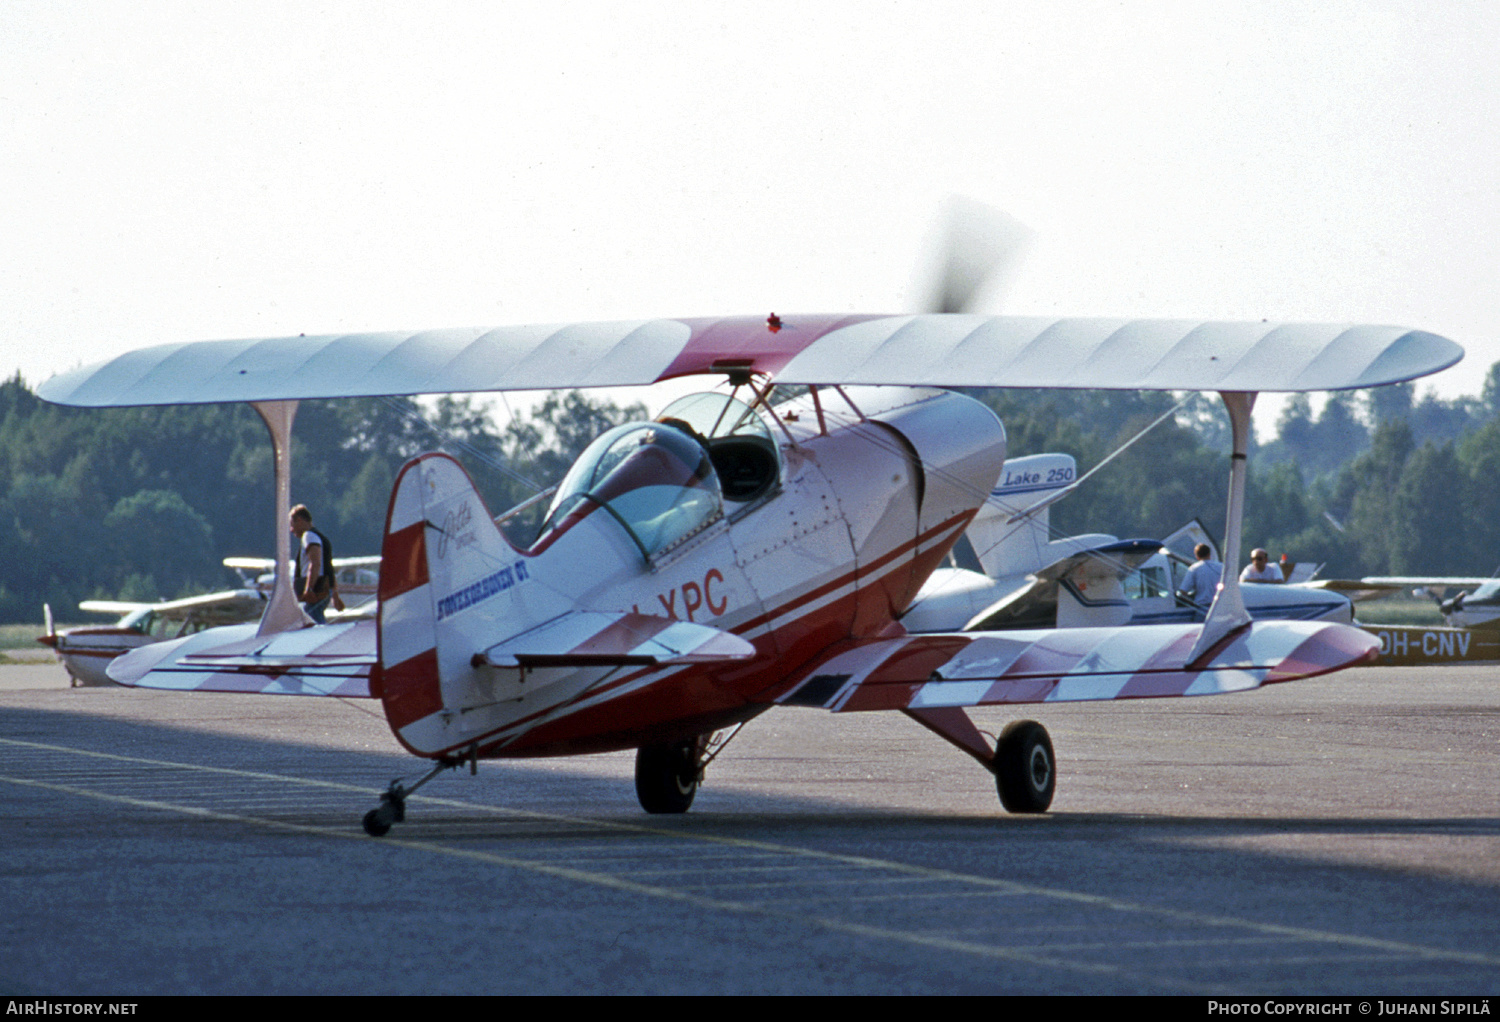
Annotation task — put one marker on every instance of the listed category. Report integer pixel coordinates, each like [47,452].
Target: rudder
[442,554]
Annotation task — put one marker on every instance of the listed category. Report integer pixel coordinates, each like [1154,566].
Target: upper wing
[228,606]
[1357,590]
[937,349]
[113,606]
[1144,661]
[259,565]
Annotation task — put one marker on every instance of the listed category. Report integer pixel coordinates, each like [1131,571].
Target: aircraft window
[1487,591]
[744,455]
[1146,583]
[140,620]
[656,479]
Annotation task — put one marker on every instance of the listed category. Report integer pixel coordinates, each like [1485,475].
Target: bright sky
[183,171]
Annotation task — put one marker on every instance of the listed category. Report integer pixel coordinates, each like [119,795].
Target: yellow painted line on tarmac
[1043,954]
[587,877]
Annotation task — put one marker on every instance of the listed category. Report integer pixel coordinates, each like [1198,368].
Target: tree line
[1376,482]
[144,503]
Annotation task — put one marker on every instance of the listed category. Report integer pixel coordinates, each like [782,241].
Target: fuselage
[87,651]
[863,507]
[1478,609]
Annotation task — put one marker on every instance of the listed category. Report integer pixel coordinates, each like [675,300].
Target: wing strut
[283,613]
[1228,611]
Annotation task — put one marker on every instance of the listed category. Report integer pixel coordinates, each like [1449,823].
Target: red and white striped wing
[1074,664]
[933,350]
[329,660]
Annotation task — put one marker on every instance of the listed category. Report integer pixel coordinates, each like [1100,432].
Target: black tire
[1025,768]
[377,822]
[666,776]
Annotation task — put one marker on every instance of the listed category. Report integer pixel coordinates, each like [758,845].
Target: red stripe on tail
[403,561]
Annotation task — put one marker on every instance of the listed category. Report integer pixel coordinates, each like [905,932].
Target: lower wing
[1065,665]
[330,660]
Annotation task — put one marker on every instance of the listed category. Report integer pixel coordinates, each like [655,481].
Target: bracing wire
[408,411]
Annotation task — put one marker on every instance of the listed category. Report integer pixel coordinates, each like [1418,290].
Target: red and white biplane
[736,554]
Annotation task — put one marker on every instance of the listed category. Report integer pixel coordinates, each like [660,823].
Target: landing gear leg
[1025,768]
[667,775]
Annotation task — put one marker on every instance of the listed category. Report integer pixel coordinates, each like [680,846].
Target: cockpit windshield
[738,441]
[654,478]
[714,415]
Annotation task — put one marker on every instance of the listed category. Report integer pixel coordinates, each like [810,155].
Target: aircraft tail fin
[448,577]
[1011,542]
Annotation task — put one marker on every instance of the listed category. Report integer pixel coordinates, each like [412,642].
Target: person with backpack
[313,579]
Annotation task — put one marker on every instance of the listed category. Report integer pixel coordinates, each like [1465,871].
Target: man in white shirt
[313,577]
[1260,568]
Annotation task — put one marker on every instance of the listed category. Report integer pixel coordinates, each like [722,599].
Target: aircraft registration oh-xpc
[736,554]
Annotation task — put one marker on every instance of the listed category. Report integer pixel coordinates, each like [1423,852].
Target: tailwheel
[666,776]
[1025,768]
[392,810]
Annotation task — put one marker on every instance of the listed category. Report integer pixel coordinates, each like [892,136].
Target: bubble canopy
[654,478]
[715,415]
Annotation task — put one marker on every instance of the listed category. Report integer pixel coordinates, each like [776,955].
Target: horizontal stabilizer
[328,660]
[596,639]
[1145,661]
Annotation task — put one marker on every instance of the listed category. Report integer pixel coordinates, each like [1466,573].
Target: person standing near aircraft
[1202,579]
[313,578]
[1260,569]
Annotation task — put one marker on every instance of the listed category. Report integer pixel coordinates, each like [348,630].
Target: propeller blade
[982,249]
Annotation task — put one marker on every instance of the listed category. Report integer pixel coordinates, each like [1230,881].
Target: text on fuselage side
[477,592]
[694,597]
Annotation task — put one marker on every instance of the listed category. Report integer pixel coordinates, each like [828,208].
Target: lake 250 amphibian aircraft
[735,554]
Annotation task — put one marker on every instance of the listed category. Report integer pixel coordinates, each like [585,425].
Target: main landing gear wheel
[666,776]
[1025,769]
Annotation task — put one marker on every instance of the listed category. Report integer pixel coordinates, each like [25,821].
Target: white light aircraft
[735,555]
[1475,605]
[87,651]
[1020,578]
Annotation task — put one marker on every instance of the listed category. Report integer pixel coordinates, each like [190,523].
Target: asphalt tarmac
[1339,835]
